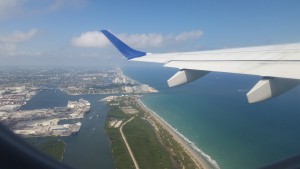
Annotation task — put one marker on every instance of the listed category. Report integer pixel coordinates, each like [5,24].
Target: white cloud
[144,40]
[9,8]
[188,35]
[7,50]
[90,39]
[9,42]
[18,36]
[97,39]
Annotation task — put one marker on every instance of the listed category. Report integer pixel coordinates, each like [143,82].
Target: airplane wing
[279,65]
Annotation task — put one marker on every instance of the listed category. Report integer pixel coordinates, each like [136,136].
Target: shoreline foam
[204,158]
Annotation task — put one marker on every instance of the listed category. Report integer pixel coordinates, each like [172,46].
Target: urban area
[18,86]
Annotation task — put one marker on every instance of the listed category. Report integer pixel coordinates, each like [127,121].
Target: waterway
[212,113]
[90,147]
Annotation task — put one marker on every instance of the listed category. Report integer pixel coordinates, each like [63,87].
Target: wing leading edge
[279,65]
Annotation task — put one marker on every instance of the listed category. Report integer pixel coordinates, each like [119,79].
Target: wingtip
[104,30]
[127,51]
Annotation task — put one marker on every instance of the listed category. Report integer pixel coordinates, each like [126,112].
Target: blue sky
[65,32]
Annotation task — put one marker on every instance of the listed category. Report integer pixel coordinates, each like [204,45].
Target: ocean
[214,115]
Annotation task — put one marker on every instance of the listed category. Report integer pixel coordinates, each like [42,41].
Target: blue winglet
[127,51]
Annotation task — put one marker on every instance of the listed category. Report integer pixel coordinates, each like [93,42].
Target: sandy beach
[201,163]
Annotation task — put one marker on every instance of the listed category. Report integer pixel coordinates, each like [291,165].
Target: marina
[45,122]
[91,139]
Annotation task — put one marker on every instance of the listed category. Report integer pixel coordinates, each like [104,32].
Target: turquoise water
[214,114]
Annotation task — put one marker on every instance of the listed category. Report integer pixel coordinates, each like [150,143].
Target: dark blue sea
[213,113]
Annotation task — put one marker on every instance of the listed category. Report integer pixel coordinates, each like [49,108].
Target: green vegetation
[53,147]
[147,149]
[121,155]
[152,147]
[115,112]
[178,153]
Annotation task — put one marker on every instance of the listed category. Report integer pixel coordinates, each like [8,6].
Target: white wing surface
[279,65]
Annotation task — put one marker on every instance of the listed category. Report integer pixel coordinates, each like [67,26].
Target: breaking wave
[190,143]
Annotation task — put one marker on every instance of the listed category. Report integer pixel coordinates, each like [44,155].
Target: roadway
[127,145]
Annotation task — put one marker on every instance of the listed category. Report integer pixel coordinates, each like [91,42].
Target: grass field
[147,149]
[152,147]
[119,149]
[54,147]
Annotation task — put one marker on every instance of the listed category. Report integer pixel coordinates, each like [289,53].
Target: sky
[66,32]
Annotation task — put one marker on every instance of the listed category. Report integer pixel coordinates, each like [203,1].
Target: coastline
[187,145]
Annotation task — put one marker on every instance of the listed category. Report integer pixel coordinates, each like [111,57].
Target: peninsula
[141,139]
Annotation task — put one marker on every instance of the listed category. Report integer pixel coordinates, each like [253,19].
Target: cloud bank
[97,39]
[90,39]
[9,42]
[9,8]
[18,36]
